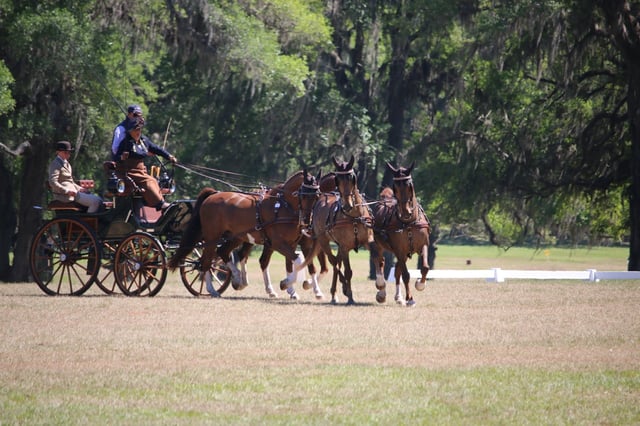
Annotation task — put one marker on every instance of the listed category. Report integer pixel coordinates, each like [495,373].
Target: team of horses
[316,214]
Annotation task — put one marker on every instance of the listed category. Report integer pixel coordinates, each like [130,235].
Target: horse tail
[193,232]
[314,251]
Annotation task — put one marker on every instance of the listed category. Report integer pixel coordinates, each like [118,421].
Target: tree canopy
[521,116]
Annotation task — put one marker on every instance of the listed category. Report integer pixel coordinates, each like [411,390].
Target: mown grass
[552,258]
[470,352]
[334,394]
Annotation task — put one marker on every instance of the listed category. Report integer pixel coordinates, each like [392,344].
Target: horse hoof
[239,286]
[420,285]
[334,301]
[381,296]
[306,285]
[284,284]
[273,295]
[319,296]
[292,293]
[411,303]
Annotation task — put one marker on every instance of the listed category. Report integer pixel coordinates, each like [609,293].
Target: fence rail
[500,275]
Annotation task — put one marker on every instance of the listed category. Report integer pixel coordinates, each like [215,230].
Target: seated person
[130,160]
[62,184]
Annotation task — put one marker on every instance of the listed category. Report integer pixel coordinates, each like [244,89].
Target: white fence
[499,275]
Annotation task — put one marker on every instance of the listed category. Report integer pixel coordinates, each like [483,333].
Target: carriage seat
[72,206]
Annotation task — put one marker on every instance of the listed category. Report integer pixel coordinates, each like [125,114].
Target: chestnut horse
[402,228]
[345,220]
[308,194]
[225,220]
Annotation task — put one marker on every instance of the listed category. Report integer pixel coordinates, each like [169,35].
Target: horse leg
[381,284]
[334,282]
[205,272]
[291,278]
[224,252]
[346,281]
[400,266]
[265,258]
[421,283]
[243,255]
[313,273]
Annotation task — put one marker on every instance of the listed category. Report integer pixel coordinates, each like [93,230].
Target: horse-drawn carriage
[121,248]
[124,246]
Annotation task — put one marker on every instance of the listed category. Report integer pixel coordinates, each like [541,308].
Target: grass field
[469,352]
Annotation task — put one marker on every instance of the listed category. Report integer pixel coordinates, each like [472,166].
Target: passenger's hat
[63,146]
[134,109]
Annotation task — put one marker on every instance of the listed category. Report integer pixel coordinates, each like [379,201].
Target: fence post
[497,275]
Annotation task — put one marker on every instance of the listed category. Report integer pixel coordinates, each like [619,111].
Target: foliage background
[515,112]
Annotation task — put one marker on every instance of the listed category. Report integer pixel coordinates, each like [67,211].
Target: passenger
[119,133]
[62,184]
[130,160]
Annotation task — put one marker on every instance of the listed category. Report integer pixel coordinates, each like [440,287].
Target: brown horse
[402,228]
[308,193]
[225,220]
[345,220]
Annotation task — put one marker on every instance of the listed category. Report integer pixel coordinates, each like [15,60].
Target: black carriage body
[76,248]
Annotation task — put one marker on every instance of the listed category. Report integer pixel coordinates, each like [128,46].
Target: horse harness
[402,226]
[333,221]
[305,191]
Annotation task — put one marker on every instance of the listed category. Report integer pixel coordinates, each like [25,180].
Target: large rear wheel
[194,279]
[65,257]
[140,265]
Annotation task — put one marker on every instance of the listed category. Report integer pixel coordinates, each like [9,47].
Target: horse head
[346,183]
[308,194]
[404,192]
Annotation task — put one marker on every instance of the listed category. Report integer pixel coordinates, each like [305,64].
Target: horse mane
[204,193]
[328,182]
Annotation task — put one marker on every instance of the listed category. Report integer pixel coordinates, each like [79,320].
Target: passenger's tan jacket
[61,180]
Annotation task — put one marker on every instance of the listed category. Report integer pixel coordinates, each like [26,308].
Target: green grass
[470,352]
[553,258]
[347,394]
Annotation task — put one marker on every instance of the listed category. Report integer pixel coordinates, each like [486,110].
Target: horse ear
[394,170]
[335,162]
[350,165]
[413,163]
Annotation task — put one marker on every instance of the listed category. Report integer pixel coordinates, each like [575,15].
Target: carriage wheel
[140,265]
[65,257]
[106,279]
[193,280]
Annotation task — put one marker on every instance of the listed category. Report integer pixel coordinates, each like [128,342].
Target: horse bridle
[351,174]
[409,182]
[306,190]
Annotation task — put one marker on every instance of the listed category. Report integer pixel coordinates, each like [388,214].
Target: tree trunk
[30,218]
[633,103]
[396,101]
[624,27]
[8,222]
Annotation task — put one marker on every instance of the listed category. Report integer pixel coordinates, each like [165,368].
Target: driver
[130,160]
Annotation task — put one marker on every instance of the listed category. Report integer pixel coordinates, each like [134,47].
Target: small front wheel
[140,265]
